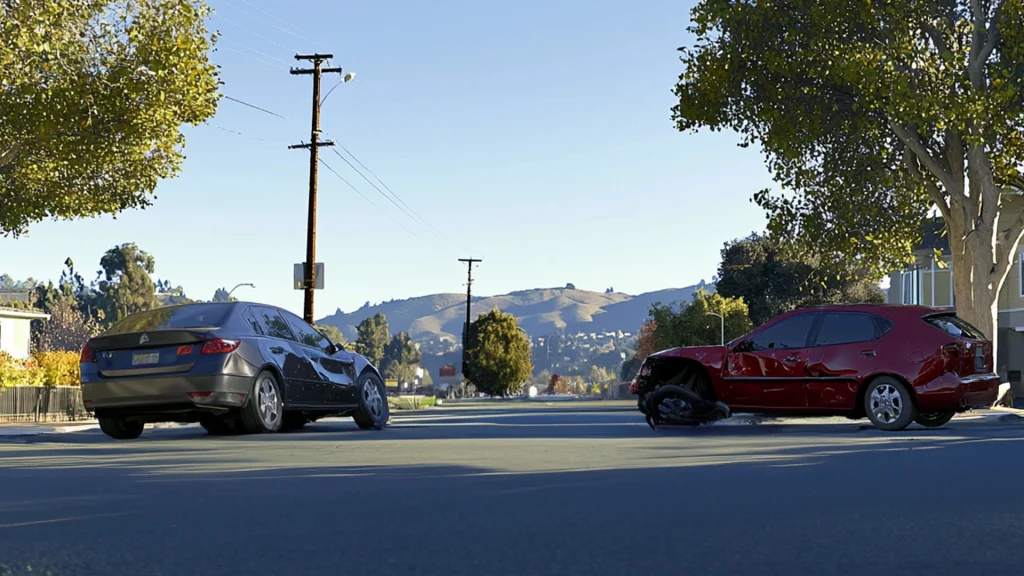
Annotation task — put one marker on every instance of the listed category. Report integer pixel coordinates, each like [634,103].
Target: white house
[16,331]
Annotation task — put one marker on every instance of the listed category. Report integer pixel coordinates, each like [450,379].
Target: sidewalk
[35,428]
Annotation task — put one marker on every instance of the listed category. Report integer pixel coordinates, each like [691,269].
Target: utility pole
[469,295]
[309,281]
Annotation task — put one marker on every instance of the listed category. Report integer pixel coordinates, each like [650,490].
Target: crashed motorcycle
[685,399]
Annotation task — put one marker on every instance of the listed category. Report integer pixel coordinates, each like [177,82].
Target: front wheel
[264,409]
[934,420]
[373,412]
[120,429]
[889,405]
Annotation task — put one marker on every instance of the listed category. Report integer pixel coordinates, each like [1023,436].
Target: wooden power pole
[309,280]
[469,300]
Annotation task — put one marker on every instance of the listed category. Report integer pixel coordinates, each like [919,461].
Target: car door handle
[276,350]
[792,359]
[868,353]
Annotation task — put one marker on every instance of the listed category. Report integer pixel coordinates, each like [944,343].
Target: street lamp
[249,284]
[722,318]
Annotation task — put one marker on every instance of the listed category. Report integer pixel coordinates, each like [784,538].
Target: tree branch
[912,140]
[11,153]
[993,34]
[936,37]
[929,185]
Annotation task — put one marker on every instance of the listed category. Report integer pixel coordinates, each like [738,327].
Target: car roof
[886,310]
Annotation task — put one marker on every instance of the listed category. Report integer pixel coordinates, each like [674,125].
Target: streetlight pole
[249,284]
[722,319]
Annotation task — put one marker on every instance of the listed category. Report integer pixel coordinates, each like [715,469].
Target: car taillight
[219,346]
[88,354]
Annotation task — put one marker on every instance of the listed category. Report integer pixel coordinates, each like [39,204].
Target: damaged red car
[893,364]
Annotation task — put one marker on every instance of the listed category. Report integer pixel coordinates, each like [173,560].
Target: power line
[371,202]
[264,110]
[256,34]
[260,60]
[285,30]
[264,54]
[407,209]
[237,133]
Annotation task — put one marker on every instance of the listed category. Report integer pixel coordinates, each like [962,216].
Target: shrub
[59,368]
[19,372]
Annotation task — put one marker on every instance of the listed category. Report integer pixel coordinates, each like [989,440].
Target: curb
[34,430]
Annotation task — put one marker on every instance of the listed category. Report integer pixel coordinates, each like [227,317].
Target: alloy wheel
[269,402]
[373,399]
[886,403]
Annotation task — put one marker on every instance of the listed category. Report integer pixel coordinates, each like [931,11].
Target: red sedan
[894,364]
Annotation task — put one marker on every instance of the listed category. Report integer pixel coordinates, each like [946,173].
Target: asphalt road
[563,489]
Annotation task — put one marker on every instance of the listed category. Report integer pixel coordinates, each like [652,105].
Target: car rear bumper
[173,395]
[950,392]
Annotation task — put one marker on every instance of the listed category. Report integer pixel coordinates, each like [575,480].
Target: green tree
[332,333]
[125,285]
[66,330]
[872,114]
[373,337]
[694,325]
[94,96]
[171,295]
[400,358]
[757,270]
[499,354]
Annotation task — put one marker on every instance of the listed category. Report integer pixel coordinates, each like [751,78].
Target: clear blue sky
[535,134]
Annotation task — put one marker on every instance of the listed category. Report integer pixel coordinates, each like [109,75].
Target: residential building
[929,283]
[16,331]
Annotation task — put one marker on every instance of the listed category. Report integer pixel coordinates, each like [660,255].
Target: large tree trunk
[983,249]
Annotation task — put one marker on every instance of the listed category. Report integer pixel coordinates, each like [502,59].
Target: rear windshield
[955,326]
[174,317]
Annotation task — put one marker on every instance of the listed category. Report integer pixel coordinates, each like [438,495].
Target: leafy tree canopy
[695,324]
[757,270]
[93,94]
[332,333]
[373,337]
[499,354]
[400,358]
[870,114]
[125,284]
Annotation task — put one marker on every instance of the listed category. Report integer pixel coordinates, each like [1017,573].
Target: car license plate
[149,358]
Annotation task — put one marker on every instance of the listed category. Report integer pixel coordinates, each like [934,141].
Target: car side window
[272,323]
[254,324]
[785,334]
[306,334]
[845,328]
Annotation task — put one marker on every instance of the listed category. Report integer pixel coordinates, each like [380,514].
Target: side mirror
[334,348]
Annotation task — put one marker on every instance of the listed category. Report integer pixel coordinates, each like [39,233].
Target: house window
[1020,273]
[911,285]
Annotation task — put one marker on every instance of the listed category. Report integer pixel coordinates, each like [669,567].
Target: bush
[59,368]
[19,372]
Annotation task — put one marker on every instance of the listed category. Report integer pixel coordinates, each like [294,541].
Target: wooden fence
[42,404]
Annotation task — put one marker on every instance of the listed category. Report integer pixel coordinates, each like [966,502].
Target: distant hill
[540,311]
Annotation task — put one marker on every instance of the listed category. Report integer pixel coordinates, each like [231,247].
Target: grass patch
[410,402]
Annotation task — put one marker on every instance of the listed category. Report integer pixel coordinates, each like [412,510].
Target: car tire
[641,404]
[293,422]
[889,404]
[373,412]
[219,426]
[263,410]
[934,419]
[121,429]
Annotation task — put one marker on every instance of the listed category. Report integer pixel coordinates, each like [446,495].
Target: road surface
[562,489]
